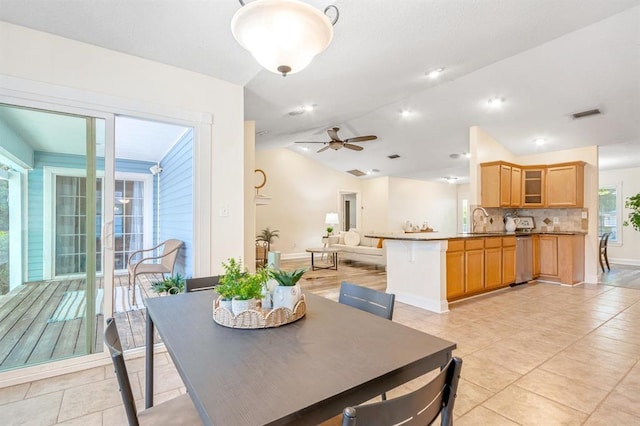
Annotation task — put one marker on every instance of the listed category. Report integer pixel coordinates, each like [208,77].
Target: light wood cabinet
[455,274]
[533,186]
[549,256]
[565,185]
[493,263]
[508,260]
[474,265]
[509,185]
[536,256]
[562,258]
[500,184]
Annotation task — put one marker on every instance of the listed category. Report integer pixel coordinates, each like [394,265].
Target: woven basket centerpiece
[258,317]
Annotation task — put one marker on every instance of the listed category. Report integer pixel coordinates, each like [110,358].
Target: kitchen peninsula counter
[417,263]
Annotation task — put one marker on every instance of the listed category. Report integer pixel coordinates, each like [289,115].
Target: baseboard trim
[622,261]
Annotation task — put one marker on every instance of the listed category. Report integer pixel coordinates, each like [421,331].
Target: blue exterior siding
[176,200]
[35,224]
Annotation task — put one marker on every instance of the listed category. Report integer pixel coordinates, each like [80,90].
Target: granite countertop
[437,236]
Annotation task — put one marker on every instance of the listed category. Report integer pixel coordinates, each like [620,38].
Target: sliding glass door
[56,168]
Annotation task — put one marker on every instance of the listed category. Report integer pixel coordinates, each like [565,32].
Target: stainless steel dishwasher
[524,259]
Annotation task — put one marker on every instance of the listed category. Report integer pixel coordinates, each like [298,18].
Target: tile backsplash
[567,219]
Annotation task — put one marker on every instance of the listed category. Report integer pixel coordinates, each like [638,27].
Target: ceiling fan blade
[353,147]
[323,149]
[309,142]
[361,138]
[333,134]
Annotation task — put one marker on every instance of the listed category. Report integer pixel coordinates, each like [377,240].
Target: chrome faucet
[473,216]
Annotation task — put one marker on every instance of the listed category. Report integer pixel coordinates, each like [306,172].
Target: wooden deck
[28,337]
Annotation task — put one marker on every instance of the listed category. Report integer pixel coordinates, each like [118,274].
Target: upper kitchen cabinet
[509,185]
[565,185]
[501,184]
[533,186]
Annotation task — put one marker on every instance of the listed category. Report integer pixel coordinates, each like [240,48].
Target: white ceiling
[547,59]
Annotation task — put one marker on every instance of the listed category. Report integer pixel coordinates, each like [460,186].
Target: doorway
[349,210]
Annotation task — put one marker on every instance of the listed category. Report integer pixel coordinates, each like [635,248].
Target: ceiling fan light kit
[336,143]
[283,35]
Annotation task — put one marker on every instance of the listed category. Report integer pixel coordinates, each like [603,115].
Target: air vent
[356,172]
[393,156]
[584,114]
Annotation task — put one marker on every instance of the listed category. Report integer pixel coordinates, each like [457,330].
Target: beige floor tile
[563,390]
[528,408]
[36,411]
[606,376]
[114,416]
[608,416]
[483,416]
[90,398]
[93,419]
[514,360]
[66,381]
[487,374]
[626,335]
[13,393]
[612,345]
[623,401]
[469,396]
[165,378]
[584,352]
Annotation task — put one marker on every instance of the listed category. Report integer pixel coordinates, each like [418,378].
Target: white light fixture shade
[331,219]
[282,35]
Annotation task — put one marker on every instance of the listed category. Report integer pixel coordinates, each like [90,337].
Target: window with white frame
[609,212]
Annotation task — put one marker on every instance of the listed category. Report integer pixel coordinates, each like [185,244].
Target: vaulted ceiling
[545,59]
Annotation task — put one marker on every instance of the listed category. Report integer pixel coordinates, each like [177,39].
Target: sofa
[355,246]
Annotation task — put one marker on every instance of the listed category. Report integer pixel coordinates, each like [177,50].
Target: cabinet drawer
[455,245]
[494,242]
[508,241]
[474,244]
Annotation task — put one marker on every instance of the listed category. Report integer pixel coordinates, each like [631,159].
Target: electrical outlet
[556,221]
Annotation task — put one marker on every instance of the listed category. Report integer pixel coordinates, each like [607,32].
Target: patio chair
[177,411]
[368,300]
[420,407]
[170,249]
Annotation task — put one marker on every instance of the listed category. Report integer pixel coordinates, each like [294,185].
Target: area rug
[124,297]
[73,306]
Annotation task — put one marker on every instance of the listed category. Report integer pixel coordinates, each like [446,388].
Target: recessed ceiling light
[466,154]
[495,102]
[405,113]
[308,108]
[435,73]
[304,148]
[540,141]
[451,179]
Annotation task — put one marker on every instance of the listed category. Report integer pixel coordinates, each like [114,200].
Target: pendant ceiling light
[283,35]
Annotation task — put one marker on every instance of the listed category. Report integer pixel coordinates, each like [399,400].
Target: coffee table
[332,254]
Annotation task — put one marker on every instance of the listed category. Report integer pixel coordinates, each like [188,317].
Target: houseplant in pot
[238,289]
[287,293]
[173,284]
[267,235]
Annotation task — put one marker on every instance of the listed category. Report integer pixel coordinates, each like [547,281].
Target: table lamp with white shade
[331,219]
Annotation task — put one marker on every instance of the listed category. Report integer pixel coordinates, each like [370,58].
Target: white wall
[375,205]
[73,73]
[629,182]
[249,256]
[303,192]
[419,202]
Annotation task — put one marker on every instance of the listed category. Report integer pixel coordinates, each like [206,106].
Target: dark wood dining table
[304,372]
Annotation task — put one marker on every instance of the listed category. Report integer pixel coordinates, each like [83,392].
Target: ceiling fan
[336,143]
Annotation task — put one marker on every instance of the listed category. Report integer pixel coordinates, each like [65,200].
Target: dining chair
[203,283]
[177,411]
[420,407]
[369,300]
[604,257]
[170,250]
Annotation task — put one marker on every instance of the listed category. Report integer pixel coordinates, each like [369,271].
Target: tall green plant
[268,236]
[633,203]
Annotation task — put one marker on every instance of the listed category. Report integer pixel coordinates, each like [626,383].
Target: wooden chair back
[112,340]
[420,407]
[604,257]
[367,299]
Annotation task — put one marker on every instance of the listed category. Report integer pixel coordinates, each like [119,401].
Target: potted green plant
[633,203]
[267,235]
[239,290]
[329,230]
[287,293]
[173,284]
